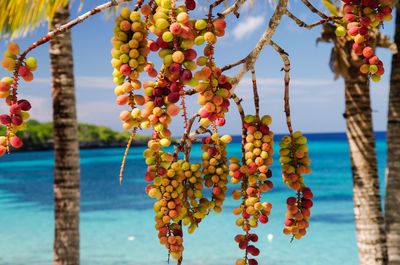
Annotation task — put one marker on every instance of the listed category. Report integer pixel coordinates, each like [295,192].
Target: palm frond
[20,16]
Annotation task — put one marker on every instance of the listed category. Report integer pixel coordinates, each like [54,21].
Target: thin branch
[232,9]
[303,24]
[59,30]
[314,9]
[213,5]
[252,57]
[185,137]
[238,102]
[229,66]
[121,172]
[286,68]
[255,93]
[384,41]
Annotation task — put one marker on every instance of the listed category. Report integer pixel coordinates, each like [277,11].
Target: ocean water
[117,224]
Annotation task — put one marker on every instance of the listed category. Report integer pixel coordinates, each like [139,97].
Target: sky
[317,100]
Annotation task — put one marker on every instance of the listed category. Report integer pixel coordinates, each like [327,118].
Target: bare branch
[181,146]
[128,146]
[255,93]
[232,9]
[314,9]
[286,68]
[384,41]
[59,30]
[303,24]
[264,40]
[229,66]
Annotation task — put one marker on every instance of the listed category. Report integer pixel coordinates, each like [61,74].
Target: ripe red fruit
[16,142]
[243,244]
[252,262]
[162,171]
[175,28]
[24,104]
[365,21]
[291,201]
[158,101]
[190,4]
[289,222]
[374,60]
[212,151]
[307,193]
[5,119]
[368,52]
[4,86]
[125,69]
[237,174]
[263,219]
[186,75]
[253,250]
[253,237]
[216,191]
[190,55]
[245,215]
[24,71]
[220,121]
[149,176]
[15,109]
[306,203]
[162,44]
[16,120]
[175,68]
[152,45]
[173,97]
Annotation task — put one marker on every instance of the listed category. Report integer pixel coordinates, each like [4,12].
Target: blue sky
[317,99]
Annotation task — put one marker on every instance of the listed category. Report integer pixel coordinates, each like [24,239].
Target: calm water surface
[117,224]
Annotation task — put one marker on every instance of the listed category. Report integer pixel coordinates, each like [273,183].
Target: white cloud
[247,26]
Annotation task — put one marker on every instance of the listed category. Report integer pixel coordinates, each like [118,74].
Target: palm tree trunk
[66,147]
[392,199]
[371,238]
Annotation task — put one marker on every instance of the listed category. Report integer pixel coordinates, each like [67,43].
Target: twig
[255,93]
[59,30]
[252,57]
[213,5]
[303,24]
[286,68]
[314,9]
[232,9]
[128,145]
[245,179]
[229,66]
[181,146]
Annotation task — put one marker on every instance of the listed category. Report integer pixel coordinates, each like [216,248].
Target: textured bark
[371,239]
[392,200]
[66,147]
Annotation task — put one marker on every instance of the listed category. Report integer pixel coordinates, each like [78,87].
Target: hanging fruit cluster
[360,19]
[253,174]
[18,108]
[295,162]
[186,192]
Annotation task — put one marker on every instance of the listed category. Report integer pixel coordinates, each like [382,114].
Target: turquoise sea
[117,224]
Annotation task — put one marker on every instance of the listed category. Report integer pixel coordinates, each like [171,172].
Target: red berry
[5,119]
[16,120]
[291,201]
[16,142]
[24,104]
[220,121]
[15,109]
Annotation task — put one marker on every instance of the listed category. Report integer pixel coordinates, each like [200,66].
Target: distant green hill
[40,136]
